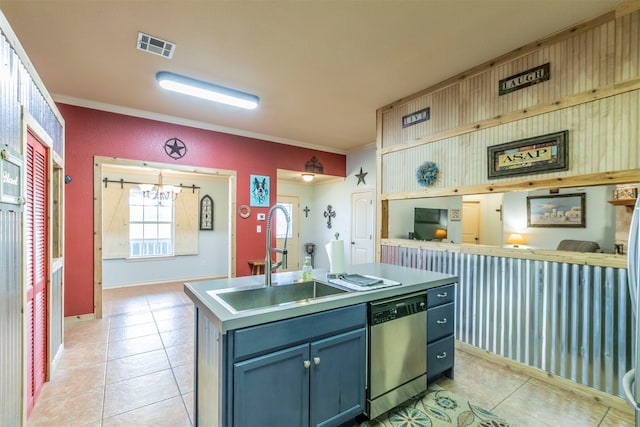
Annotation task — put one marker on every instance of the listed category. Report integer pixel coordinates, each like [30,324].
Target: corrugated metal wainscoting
[572,320]
[10,319]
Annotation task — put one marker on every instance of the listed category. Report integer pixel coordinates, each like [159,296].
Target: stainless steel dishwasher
[397,351]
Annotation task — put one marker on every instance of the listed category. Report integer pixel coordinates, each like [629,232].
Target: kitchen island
[243,356]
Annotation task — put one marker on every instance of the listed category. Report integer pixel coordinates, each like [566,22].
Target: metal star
[175,148]
[361,176]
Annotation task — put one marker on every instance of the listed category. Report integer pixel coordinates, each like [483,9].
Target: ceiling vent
[155,45]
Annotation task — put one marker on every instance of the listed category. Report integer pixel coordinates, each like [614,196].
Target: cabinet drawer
[440,356]
[440,321]
[441,295]
[255,340]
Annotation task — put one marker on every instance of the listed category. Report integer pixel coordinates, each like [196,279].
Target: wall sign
[525,79]
[415,118]
[532,155]
[11,166]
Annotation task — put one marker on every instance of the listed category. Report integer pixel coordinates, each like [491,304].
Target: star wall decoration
[361,176]
[175,148]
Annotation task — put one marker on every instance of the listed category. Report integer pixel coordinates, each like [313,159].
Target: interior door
[292,205]
[36,261]
[471,222]
[362,227]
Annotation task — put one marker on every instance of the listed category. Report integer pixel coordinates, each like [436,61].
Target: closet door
[36,262]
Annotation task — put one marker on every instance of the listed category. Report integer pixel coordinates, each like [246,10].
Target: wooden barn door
[36,262]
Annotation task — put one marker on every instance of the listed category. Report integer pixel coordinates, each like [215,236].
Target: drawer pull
[443,295]
[441,356]
[441,322]
[316,361]
[307,364]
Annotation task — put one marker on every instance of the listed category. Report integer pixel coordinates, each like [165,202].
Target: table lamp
[515,239]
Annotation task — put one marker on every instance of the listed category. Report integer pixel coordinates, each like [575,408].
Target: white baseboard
[79,318]
[163,282]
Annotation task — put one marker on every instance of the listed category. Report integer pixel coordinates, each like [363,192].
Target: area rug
[437,408]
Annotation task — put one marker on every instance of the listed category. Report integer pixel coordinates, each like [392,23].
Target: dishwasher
[397,339]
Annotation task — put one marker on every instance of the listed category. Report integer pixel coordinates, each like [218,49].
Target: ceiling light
[208,91]
[307,177]
[160,192]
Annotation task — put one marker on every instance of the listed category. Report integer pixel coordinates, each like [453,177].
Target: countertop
[411,279]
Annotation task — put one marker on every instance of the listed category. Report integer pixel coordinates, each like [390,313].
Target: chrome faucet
[269,266]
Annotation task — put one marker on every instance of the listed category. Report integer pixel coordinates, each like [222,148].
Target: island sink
[237,300]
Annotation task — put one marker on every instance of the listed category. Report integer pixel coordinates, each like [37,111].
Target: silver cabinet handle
[441,356]
[307,364]
[316,360]
[442,295]
[441,322]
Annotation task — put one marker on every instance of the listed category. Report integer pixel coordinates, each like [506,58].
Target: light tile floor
[134,367]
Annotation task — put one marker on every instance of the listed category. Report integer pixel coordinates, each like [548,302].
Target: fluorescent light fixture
[204,90]
[307,177]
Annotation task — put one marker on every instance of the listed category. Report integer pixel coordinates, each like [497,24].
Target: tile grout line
[173,373]
[511,394]
[106,367]
[604,416]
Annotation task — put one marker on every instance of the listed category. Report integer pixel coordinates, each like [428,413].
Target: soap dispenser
[306,268]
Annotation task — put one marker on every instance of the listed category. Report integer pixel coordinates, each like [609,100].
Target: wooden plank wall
[594,92]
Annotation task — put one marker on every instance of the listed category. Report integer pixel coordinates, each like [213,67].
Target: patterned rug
[437,408]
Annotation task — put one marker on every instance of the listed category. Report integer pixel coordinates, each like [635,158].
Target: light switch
[259,229]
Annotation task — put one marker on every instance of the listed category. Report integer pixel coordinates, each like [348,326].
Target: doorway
[362,227]
[101,162]
[292,205]
[471,222]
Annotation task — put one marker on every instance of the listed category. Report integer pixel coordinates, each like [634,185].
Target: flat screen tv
[430,224]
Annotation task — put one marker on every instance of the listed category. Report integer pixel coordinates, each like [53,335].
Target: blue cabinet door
[338,367]
[272,390]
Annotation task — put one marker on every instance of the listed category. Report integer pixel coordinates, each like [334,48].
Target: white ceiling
[320,67]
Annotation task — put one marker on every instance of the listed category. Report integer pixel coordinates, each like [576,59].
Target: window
[281,222]
[150,226]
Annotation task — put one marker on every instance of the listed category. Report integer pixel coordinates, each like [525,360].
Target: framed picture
[259,191]
[528,156]
[455,215]
[561,210]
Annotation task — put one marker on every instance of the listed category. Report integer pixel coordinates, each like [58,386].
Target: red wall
[97,133]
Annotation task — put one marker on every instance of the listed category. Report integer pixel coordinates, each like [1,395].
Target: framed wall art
[529,156]
[259,191]
[206,213]
[560,210]
[625,193]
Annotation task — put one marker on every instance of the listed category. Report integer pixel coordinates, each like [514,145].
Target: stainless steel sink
[255,298]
